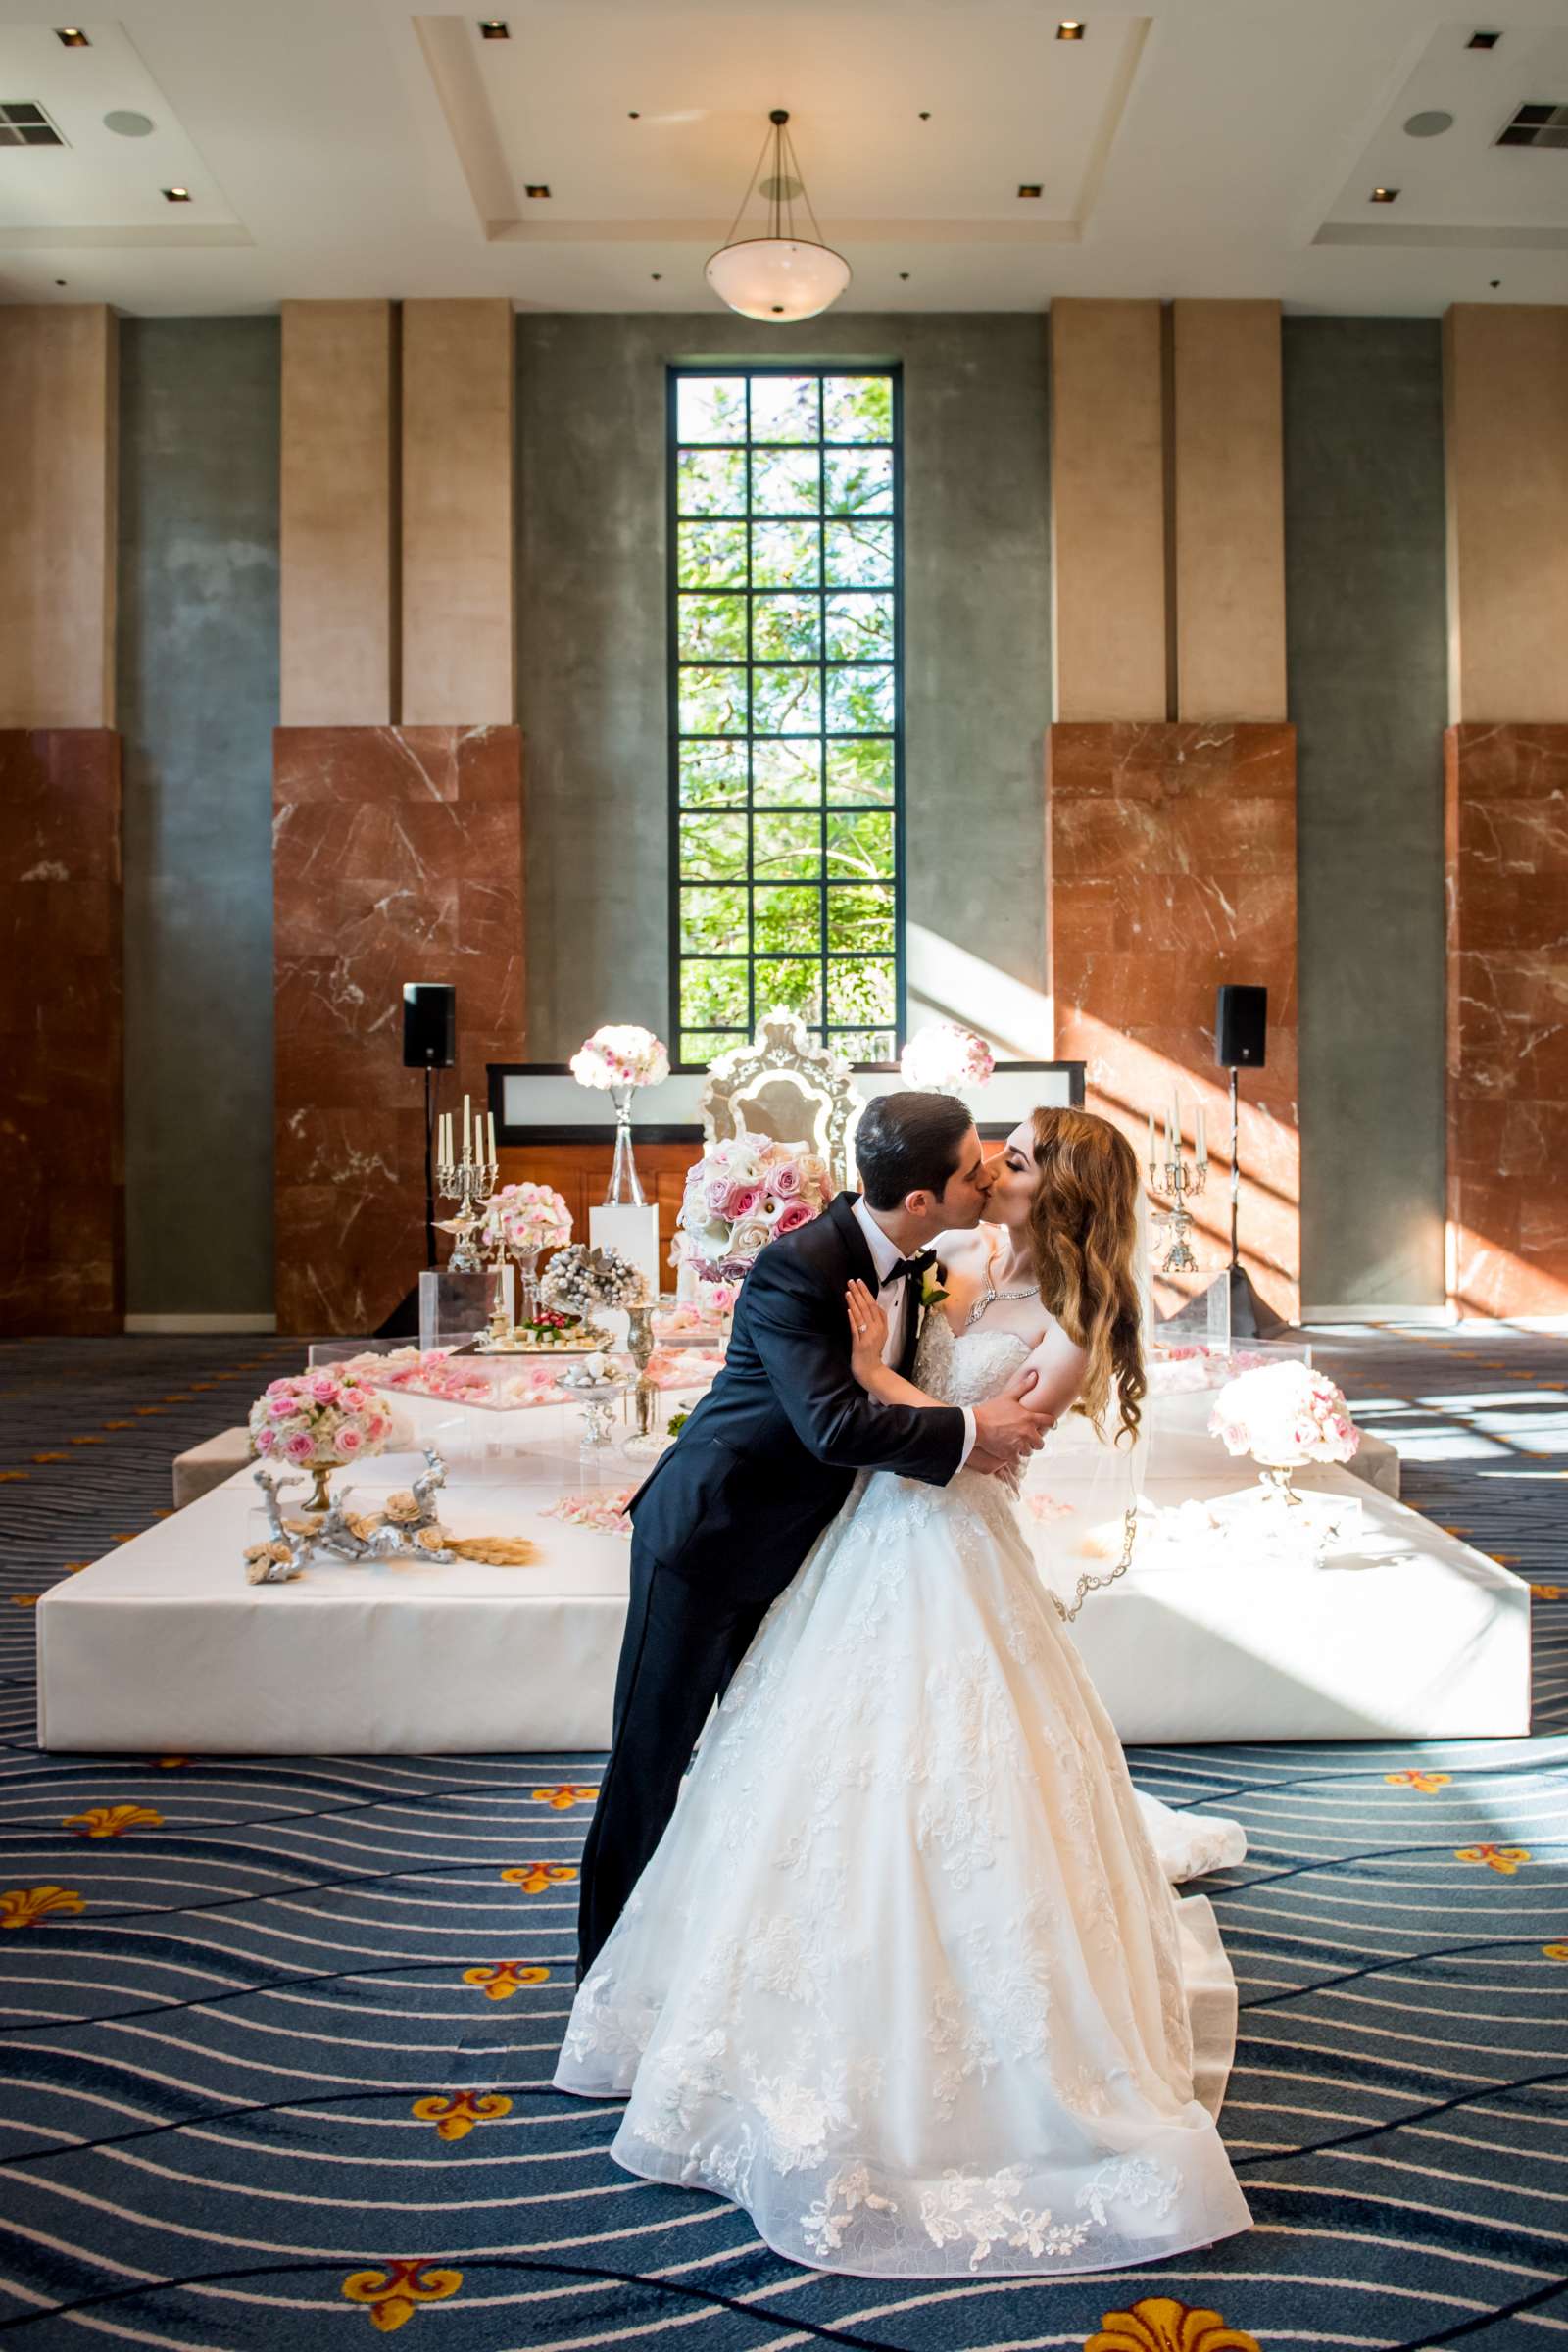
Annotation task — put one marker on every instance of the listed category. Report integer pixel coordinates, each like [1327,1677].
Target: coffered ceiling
[1200,147]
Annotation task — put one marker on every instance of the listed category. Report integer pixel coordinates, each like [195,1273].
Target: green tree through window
[785,704]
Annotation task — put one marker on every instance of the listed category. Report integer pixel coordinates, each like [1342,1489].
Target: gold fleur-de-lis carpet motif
[276,2035]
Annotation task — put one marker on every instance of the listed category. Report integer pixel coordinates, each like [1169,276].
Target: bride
[905,1976]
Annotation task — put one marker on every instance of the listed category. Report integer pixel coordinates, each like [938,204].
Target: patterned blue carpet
[276,2044]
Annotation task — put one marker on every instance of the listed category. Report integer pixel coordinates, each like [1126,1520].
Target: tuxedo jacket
[770,1453]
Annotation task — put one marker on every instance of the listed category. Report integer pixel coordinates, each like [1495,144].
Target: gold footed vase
[1277,1480]
[320,1497]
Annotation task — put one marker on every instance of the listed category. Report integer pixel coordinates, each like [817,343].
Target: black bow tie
[910,1268]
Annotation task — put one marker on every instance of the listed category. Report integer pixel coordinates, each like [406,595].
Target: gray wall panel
[197,663]
[1368,649]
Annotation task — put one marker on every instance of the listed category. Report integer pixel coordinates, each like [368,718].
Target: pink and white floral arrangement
[318,1418]
[1283,1415]
[742,1194]
[943,1057]
[621,1054]
[528,1219]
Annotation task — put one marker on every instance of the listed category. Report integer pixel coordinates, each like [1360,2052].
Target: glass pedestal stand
[624,1183]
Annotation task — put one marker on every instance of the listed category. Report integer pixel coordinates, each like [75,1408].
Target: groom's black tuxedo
[726,1517]
[771,1450]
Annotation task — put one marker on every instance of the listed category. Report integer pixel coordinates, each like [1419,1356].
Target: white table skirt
[163,1648]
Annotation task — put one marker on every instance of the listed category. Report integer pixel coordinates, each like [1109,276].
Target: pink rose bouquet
[740,1194]
[528,1219]
[1283,1415]
[621,1054]
[943,1057]
[318,1419]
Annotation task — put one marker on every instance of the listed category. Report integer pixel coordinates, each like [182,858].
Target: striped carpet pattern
[277,2036]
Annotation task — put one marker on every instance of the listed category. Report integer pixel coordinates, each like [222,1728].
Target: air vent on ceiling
[24,125]
[1537,126]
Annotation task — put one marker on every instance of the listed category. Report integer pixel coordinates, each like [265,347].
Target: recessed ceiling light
[1483,41]
[633,116]
[538,191]
[1029,188]
[925,114]
[494,28]
[71,37]
[1429,123]
[1384,195]
[127,123]
[903,274]
[1070,30]
[177,195]
[655,275]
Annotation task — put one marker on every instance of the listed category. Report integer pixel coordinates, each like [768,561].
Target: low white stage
[162,1647]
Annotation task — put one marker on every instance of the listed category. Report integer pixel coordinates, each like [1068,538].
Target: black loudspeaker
[1241,1028]
[431,1025]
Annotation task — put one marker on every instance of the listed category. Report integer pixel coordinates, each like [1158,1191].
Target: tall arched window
[786,704]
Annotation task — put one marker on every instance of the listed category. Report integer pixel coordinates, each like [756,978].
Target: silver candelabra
[1178,1180]
[470,1180]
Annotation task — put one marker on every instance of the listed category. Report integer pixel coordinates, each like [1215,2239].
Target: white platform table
[163,1648]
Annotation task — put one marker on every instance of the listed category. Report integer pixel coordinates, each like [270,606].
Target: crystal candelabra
[1178,1180]
[470,1180]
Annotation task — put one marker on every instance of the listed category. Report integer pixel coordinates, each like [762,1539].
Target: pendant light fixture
[778,276]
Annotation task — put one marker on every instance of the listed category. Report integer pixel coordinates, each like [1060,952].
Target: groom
[728,1515]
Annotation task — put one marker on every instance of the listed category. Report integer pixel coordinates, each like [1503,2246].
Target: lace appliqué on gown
[906,1978]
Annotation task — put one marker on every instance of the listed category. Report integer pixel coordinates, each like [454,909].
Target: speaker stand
[429,1165]
[403,1323]
[1251,1317]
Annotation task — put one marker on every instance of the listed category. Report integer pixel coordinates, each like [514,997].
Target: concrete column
[58,441]
[338,621]
[459,635]
[1505,419]
[1109,602]
[1229,512]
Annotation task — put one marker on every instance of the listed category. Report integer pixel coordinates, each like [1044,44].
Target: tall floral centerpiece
[943,1058]
[617,1059]
[742,1192]
[1284,1415]
[319,1421]
[525,1219]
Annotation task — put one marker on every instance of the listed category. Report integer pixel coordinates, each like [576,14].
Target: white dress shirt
[895,1304]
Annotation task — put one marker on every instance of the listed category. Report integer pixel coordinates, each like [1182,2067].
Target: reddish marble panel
[61,1119]
[397,855]
[1507,906]
[1171,866]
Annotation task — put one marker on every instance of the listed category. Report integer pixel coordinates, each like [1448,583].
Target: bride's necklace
[990,1295]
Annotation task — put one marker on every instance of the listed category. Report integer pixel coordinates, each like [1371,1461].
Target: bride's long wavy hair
[1083,1233]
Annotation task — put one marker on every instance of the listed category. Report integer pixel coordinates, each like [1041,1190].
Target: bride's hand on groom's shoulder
[869,1333]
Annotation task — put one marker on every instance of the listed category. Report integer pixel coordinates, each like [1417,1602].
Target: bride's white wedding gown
[906,1978]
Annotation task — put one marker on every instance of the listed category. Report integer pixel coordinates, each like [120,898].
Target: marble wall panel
[397,855]
[62,1161]
[1171,867]
[1507,910]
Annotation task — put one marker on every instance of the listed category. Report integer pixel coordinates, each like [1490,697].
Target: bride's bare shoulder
[960,1251]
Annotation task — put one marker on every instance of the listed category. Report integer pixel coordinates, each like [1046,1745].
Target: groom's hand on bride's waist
[1008,1427]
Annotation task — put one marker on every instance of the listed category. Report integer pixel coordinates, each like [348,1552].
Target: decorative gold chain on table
[1097,1584]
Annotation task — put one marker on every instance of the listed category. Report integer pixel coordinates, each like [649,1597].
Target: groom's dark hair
[908,1144]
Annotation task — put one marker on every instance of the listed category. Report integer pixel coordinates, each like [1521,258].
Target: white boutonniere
[933,1290]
